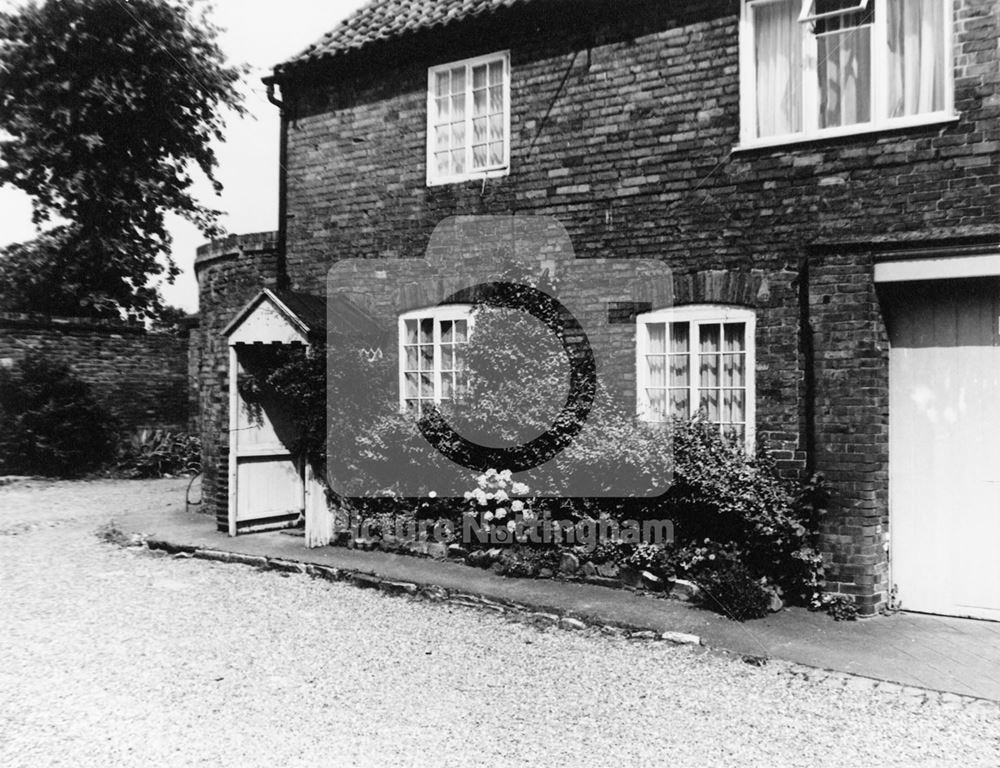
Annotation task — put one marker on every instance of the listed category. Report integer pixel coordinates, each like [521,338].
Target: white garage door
[944,445]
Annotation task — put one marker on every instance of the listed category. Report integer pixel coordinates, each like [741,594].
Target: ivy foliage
[109,109]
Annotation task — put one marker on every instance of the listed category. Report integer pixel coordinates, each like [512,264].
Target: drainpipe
[282,266]
[808,352]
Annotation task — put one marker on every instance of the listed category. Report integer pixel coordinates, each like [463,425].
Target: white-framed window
[695,360]
[432,356]
[468,119]
[816,68]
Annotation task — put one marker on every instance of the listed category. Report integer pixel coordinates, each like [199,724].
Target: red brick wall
[623,127]
[230,272]
[141,378]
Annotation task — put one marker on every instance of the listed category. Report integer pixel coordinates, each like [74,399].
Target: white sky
[260,33]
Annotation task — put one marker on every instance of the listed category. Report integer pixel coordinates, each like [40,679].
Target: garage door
[945,445]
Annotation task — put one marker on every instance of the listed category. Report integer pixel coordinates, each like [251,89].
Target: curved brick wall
[230,272]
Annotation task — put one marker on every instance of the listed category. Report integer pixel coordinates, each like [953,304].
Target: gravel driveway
[115,657]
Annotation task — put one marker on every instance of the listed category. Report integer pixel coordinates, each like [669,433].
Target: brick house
[821,178]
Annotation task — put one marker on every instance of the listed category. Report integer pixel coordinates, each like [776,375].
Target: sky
[259,33]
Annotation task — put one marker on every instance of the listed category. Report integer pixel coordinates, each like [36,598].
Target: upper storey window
[468,119]
[815,68]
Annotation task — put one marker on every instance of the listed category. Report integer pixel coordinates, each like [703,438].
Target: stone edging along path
[433,593]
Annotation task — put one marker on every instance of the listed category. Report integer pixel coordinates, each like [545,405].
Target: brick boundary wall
[230,272]
[139,376]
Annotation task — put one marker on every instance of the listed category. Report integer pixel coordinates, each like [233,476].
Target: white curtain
[916,56]
[778,47]
[845,74]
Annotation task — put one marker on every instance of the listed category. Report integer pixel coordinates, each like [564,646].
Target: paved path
[119,657]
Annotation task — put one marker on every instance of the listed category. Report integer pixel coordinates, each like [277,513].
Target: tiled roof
[387,19]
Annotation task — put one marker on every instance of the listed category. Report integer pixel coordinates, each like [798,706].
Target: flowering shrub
[499,500]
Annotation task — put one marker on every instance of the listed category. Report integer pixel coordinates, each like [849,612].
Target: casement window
[698,360]
[815,68]
[468,119]
[432,360]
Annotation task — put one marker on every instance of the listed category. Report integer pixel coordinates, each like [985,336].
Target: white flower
[511,526]
[467,495]
[488,516]
[501,513]
[501,495]
[490,473]
[482,481]
[506,475]
[517,506]
[433,494]
[519,489]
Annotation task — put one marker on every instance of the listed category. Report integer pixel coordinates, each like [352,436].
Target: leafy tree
[109,106]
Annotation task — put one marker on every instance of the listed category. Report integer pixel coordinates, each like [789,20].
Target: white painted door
[944,445]
[267,479]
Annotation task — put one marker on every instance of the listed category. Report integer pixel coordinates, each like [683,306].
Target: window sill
[477,176]
[847,131]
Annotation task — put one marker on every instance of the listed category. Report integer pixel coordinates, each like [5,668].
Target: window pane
[442,114]
[709,358]
[778,52]
[680,337]
[427,385]
[479,76]
[447,330]
[708,336]
[734,337]
[426,358]
[447,357]
[496,72]
[411,385]
[496,153]
[461,330]
[442,85]
[657,404]
[459,353]
[457,135]
[426,331]
[496,99]
[441,137]
[458,161]
[679,406]
[657,370]
[447,386]
[734,406]
[479,156]
[709,404]
[411,359]
[733,371]
[479,103]
[411,331]
[844,71]
[442,159]
[916,57]
[679,373]
[496,128]
[458,107]
[458,80]
[479,130]
[657,338]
